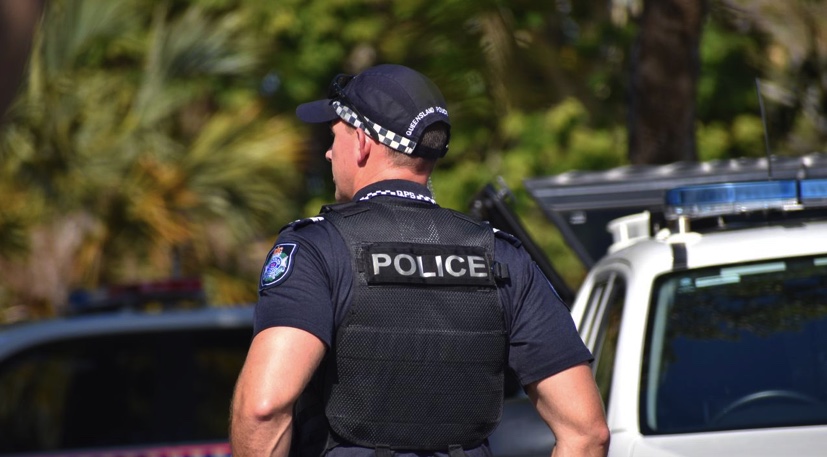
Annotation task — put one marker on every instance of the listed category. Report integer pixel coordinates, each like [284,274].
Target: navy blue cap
[396,102]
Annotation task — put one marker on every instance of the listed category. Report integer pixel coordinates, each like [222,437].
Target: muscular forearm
[570,404]
[279,365]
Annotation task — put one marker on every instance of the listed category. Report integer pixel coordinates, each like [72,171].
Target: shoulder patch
[279,264]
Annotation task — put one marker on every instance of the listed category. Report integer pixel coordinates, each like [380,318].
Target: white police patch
[437,265]
[279,264]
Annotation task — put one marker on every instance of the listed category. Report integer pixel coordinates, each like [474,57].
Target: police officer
[385,325]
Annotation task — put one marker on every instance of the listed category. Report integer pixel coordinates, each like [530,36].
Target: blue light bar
[711,200]
[814,192]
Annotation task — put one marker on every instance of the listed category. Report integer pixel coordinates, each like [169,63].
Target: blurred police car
[124,380]
[121,380]
[705,302]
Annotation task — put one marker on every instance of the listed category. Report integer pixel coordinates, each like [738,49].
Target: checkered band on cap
[390,139]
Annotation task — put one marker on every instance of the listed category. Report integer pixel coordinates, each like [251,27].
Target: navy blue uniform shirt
[307,279]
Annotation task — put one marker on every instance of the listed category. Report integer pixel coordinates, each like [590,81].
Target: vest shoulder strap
[508,237]
[345,209]
[298,224]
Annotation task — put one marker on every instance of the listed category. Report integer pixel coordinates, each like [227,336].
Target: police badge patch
[279,264]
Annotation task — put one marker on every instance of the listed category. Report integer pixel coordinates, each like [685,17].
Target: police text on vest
[388,263]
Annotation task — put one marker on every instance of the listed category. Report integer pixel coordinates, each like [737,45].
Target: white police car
[707,309]
[137,375]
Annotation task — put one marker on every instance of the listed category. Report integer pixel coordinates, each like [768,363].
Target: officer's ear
[364,145]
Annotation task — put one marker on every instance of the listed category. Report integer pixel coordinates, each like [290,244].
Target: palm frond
[193,45]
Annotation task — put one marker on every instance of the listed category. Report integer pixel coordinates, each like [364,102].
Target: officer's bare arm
[570,404]
[279,364]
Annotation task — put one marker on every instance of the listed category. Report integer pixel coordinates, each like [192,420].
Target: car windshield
[737,347]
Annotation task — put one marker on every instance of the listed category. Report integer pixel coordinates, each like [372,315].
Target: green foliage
[173,178]
[782,45]
[713,141]
[559,139]
[747,136]
[536,144]
[743,136]
[730,64]
[17,216]
[163,132]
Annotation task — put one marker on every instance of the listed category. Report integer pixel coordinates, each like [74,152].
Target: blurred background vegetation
[154,139]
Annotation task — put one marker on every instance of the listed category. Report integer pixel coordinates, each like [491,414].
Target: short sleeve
[542,336]
[296,284]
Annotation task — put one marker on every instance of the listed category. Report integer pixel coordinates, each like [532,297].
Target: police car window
[587,327]
[119,390]
[607,334]
[737,347]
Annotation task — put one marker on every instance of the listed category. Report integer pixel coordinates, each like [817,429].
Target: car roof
[18,337]
[582,203]
[751,244]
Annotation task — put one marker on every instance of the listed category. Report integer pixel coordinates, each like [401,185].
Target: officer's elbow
[266,409]
[253,407]
[589,441]
[259,425]
[600,438]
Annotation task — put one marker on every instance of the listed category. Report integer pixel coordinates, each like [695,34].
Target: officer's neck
[379,167]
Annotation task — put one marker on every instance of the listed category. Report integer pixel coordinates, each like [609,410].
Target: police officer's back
[398,318]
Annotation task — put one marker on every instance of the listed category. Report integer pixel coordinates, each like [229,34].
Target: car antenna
[764,123]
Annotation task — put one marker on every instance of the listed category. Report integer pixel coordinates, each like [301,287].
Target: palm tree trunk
[18,20]
[664,77]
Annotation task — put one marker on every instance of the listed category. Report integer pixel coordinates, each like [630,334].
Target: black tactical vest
[419,360]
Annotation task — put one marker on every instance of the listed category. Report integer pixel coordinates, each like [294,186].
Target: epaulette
[346,209]
[508,237]
[297,224]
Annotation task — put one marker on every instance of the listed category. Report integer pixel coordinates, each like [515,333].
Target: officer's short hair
[434,137]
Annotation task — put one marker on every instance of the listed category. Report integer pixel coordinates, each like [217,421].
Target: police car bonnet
[398,103]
